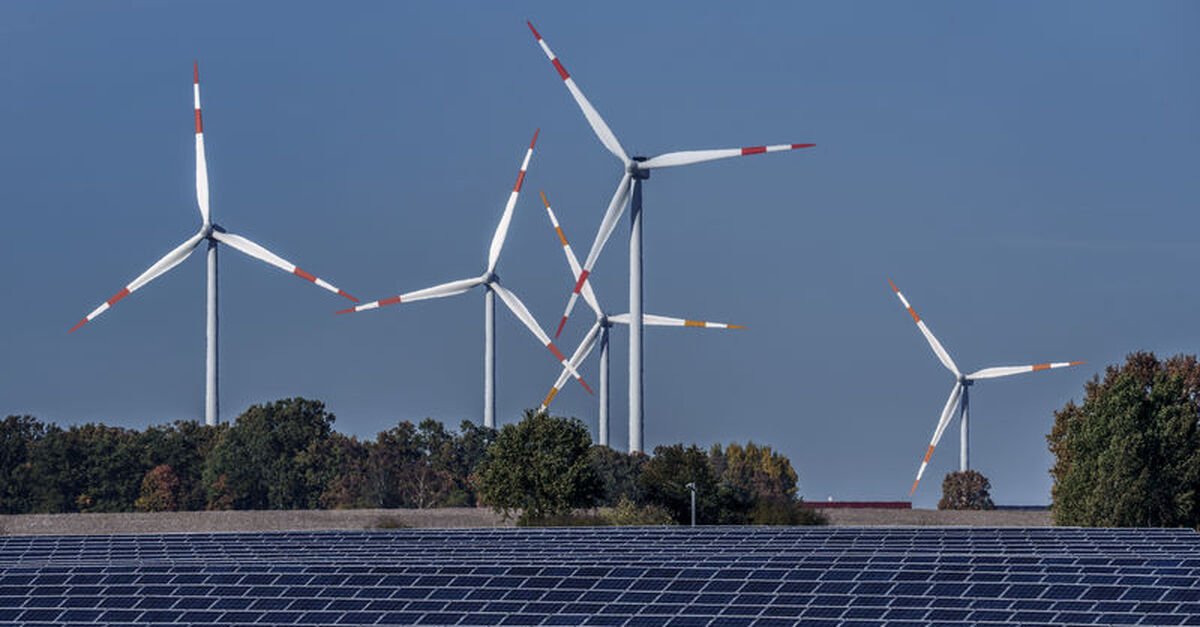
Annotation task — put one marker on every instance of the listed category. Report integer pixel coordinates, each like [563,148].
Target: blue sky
[1024,171]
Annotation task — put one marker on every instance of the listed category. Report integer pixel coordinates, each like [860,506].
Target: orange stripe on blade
[562,238]
[694,323]
[550,397]
[913,313]
[1037,367]
[928,454]
[914,488]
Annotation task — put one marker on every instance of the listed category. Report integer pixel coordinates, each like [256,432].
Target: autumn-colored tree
[1129,454]
[966,489]
[160,491]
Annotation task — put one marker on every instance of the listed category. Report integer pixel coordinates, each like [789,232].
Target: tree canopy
[1129,454]
[539,467]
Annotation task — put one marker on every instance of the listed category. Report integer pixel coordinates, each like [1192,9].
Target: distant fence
[858,504]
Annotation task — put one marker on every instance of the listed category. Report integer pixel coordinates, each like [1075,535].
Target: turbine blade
[581,353]
[947,414]
[593,116]
[502,229]
[201,162]
[576,269]
[452,288]
[160,267]
[688,157]
[243,245]
[615,208]
[1004,371]
[522,313]
[933,341]
[665,321]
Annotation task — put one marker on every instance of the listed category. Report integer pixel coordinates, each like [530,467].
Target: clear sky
[1025,172]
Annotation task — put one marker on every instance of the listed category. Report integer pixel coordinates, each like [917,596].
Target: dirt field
[200,522]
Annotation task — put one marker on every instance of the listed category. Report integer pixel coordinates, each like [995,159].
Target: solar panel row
[661,576]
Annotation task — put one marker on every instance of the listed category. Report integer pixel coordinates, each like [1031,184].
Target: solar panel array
[626,576]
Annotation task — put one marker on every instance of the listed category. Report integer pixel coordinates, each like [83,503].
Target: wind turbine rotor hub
[636,171]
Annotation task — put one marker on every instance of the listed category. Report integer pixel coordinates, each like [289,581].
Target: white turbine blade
[665,321]
[947,414]
[688,157]
[615,208]
[522,313]
[1004,371]
[588,294]
[593,117]
[239,243]
[201,162]
[581,353]
[933,341]
[502,229]
[160,267]
[453,288]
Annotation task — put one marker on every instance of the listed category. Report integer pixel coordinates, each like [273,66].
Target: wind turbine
[635,170]
[959,395]
[599,330]
[213,234]
[491,284]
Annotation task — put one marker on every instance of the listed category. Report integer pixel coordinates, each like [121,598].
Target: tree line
[286,455]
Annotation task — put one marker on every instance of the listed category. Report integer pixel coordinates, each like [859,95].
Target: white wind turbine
[213,234]
[959,394]
[491,284]
[636,170]
[599,330]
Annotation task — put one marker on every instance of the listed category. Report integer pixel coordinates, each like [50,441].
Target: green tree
[539,467]
[87,468]
[966,490]
[664,480]
[273,457]
[391,452]
[1129,454]
[19,435]
[618,474]
[343,472]
[160,491]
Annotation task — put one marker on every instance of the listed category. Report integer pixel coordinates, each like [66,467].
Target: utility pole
[692,487]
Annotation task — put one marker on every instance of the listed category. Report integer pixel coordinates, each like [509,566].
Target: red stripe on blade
[118,296]
[199,123]
[304,275]
[586,386]
[582,278]
[77,325]
[520,180]
[389,301]
[753,150]
[561,324]
[345,295]
[533,30]
[533,142]
[557,353]
[562,71]
[196,72]
[795,146]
